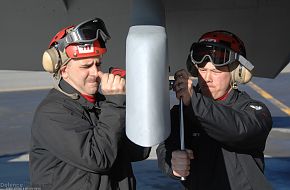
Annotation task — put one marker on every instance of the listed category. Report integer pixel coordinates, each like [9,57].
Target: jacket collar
[231,98]
[66,87]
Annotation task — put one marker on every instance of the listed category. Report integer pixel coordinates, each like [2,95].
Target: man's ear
[64,71]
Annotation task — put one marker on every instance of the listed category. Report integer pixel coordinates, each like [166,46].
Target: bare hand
[183,86]
[180,162]
[112,84]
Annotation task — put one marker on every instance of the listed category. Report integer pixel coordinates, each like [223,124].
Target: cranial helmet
[226,38]
[84,40]
[221,48]
[87,39]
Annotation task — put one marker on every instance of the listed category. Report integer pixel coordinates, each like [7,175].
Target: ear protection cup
[191,67]
[240,74]
[51,60]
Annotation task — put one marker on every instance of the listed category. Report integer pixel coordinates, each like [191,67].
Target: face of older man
[83,74]
[214,81]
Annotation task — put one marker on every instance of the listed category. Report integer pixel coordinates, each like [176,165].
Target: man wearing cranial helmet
[225,129]
[78,136]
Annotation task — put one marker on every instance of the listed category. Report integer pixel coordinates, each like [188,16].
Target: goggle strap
[61,44]
[247,64]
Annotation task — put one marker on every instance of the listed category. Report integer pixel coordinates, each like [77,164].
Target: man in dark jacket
[78,136]
[225,129]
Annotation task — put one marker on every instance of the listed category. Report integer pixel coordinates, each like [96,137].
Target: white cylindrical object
[147,92]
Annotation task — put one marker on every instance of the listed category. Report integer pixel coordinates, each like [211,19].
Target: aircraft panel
[27,27]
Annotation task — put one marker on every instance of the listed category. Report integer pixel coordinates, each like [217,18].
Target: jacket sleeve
[136,152]
[242,127]
[71,138]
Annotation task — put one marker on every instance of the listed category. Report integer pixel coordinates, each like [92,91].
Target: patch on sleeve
[256,107]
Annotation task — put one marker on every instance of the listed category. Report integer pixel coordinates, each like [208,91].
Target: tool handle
[182,146]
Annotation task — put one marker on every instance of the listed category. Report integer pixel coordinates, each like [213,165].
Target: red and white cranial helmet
[85,40]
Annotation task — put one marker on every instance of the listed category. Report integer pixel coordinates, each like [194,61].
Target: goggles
[217,53]
[88,31]
[84,33]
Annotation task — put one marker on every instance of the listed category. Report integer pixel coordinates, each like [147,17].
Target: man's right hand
[180,162]
[183,86]
[112,84]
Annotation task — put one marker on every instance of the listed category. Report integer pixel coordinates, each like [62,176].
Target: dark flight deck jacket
[227,138]
[76,144]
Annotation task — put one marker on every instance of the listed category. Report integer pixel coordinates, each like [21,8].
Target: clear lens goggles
[218,54]
[88,31]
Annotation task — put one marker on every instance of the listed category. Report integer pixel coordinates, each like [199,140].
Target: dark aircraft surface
[27,27]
